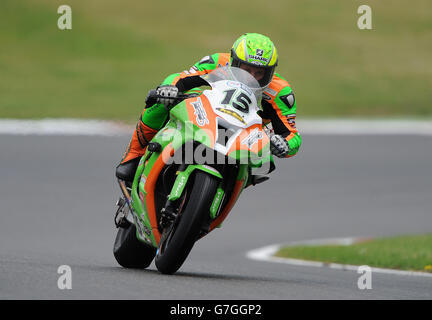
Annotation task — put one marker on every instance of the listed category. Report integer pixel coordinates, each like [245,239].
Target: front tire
[176,243]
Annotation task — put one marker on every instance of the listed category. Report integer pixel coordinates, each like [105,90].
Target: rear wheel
[131,252]
[178,239]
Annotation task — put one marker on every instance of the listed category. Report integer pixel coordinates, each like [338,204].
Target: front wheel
[177,242]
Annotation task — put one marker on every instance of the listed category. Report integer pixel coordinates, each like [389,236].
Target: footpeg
[154,147]
[120,220]
[120,202]
[257,179]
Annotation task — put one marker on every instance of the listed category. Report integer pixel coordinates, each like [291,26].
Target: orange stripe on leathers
[277,84]
[135,149]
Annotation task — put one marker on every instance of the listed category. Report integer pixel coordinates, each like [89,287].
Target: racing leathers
[278,104]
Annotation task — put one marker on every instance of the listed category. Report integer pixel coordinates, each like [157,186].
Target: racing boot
[135,150]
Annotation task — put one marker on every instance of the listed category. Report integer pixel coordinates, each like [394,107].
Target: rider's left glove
[167,94]
[279,146]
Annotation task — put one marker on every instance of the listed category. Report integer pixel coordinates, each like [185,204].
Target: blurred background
[57,193]
[118,50]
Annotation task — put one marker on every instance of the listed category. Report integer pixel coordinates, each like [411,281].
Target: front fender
[183,177]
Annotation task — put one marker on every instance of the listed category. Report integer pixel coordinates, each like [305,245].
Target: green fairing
[193,132]
[139,208]
[141,174]
[239,154]
[189,131]
[243,173]
[183,177]
[179,112]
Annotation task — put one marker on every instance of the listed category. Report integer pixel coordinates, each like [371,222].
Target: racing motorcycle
[193,172]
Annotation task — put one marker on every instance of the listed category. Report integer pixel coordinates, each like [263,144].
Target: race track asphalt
[57,196]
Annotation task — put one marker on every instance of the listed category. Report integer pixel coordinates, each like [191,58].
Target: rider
[252,52]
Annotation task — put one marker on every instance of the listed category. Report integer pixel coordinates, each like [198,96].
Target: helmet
[256,50]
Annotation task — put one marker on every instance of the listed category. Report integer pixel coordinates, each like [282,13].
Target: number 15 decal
[241,101]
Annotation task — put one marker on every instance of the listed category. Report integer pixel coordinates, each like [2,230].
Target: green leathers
[251,50]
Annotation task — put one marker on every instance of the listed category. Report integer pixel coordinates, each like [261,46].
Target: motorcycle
[193,172]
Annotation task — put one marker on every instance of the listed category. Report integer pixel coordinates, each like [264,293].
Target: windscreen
[237,75]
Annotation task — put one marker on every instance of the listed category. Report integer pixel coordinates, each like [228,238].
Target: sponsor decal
[235,84]
[216,202]
[253,138]
[201,115]
[259,52]
[143,231]
[180,185]
[233,114]
[291,122]
[265,96]
[260,59]
[270,92]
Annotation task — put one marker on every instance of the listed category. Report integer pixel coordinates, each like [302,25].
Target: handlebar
[152,97]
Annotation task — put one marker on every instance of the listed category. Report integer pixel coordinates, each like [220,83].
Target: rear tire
[176,244]
[131,252]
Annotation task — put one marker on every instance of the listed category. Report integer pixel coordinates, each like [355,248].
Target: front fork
[171,209]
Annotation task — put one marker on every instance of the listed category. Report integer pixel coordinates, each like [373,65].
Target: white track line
[63,127]
[267,254]
[305,126]
[365,127]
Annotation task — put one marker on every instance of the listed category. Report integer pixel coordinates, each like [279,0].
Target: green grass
[118,50]
[410,252]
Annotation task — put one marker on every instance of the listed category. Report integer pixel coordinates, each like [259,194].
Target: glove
[168,94]
[279,146]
